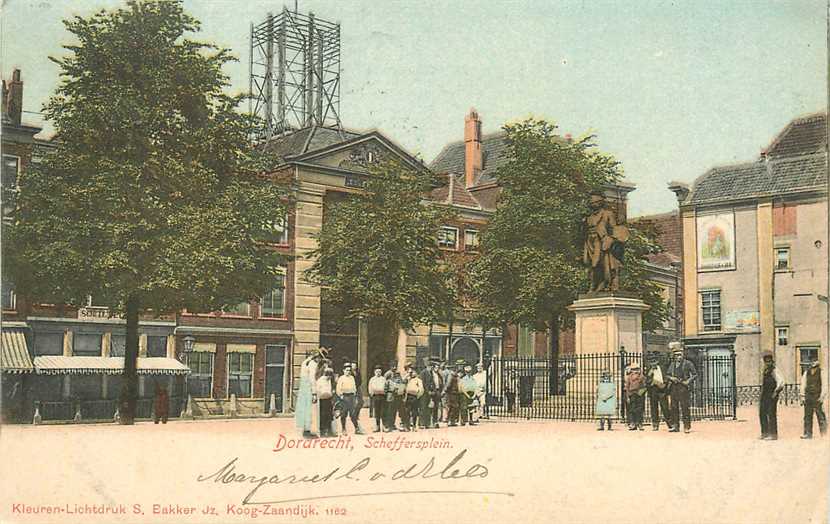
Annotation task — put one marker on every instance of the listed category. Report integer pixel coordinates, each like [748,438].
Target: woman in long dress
[303,413]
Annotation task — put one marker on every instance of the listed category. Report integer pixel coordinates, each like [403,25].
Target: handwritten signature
[453,470]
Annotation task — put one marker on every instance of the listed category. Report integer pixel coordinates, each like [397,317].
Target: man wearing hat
[453,396]
[681,374]
[771,385]
[431,399]
[414,392]
[443,413]
[395,388]
[347,392]
[657,392]
[377,394]
[635,395]
[812,396]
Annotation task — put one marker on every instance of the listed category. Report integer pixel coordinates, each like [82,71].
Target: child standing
[606,400]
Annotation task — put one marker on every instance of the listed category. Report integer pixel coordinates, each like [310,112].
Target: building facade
[754,255]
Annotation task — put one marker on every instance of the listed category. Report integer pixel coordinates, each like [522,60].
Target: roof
[454,193]
[55,364]
[771,177]
[802,136]
[14,352]
[306,140]
[494,150]
[669,236]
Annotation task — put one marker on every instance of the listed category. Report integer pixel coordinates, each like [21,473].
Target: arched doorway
[466,349]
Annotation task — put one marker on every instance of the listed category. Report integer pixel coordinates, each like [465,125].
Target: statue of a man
[604,245]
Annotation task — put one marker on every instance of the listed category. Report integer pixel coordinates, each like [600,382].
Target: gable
[358,155]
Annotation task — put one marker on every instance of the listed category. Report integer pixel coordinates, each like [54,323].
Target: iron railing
[749,395]
[523,387]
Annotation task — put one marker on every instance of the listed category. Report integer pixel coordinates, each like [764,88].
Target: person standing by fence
[657,392]
[606,407]
[681,374]
[771,385]
[481,390]
[812,397]
[635,395]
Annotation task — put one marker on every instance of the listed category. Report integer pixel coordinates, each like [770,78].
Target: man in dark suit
[681,374]
[433,386]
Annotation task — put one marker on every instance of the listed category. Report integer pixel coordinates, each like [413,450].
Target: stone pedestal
[607,322]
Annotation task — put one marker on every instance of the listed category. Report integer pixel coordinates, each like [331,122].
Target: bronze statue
[604,245]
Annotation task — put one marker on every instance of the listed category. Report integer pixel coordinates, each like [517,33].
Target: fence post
[37,419]
[621,397]
[733,385]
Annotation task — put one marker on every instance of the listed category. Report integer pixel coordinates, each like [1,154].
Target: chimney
[473,160]
[13,98]
[680,190]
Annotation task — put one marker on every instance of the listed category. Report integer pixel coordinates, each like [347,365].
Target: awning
[14,353]
[241,348]
[58,365]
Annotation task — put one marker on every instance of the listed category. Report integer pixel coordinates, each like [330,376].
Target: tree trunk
[129,382]
[554,355]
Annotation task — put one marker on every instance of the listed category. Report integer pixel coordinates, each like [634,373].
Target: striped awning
[14,353]
[59,365]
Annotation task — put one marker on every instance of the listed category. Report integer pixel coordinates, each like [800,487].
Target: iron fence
[100,409]
[749,395]
[523,387]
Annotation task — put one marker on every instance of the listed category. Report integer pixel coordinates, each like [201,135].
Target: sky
[671,89]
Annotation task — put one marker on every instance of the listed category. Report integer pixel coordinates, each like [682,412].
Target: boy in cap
[453,398]
[347,391]
[325,401]
[812,396]
[414,392]
[681,374]
[430,400]
[771,385]
[635,395]
[394,393]
[377,393]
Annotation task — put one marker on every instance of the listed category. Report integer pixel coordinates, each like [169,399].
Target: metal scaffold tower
[294,73]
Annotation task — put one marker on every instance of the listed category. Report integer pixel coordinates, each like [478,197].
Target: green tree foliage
[378,256]
[530,268]
[152,198]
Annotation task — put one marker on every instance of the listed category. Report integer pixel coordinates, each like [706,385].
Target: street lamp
[189,342]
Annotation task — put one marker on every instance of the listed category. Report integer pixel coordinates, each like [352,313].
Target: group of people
[811,395]
[407,401]
[667,388]
[422,400]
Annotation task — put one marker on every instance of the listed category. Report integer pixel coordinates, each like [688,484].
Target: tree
[530,269]
[378,257]
[153,199]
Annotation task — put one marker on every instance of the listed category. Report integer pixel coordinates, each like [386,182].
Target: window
[86,345]
[710,303]
[200,380]
[437,343]
[448,237]
[9,298]
[11,166]
[525,341]
[240,371]
[156,346]
[806,356]
[782,258]
[277,230]
[118,345]
[272,304]
[48,344]
[86,387]
[243,309]
[783,335]
[470,239]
